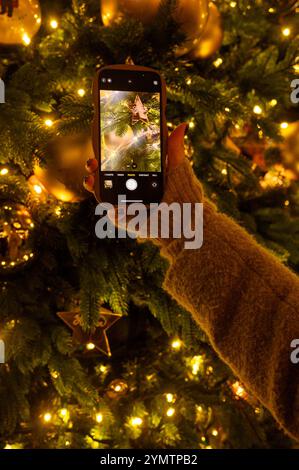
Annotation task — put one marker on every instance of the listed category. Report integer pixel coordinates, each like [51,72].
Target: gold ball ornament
[191,15]
[211,39]
[16,228]
[290,147]
[63,176]
[18,24]
[143,10]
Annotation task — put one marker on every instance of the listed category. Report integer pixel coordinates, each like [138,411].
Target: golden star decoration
[96,338]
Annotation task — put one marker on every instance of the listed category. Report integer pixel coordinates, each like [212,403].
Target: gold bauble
[290,147]
[63,176]
[191,15]
[211,39]
[143,10]
[16,227]
[22,25]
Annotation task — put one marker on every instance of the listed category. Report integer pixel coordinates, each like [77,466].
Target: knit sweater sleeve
[245,300]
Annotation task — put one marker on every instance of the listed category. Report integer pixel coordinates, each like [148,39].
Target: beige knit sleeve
[245,300]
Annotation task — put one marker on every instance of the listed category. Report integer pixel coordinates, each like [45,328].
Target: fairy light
[169,397]
[103,369]
[38,189]
[49,122]
[284,125]
[286,203]
[273,102]
[63,412]
[286,32]
[227,109]
[233,4]
[81,92]
[191,125]
[90,346]
[218,62]
[271,10]
[58,211]
[257,109]
[196,362]
[54,23]
[99,417]
[215,432]
[26,39]
[189,81]
[47,417]
[136,421]
[3,171]
[170,412]
[176,344]
[224,171]
[238,390]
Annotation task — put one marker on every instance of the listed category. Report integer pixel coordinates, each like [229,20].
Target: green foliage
[45,369]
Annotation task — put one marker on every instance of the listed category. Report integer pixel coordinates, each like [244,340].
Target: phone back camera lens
[104,80]
[130,81]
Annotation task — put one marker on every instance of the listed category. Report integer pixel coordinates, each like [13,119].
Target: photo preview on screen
[130,131]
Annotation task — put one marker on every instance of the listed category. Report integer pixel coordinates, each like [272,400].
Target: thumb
[176,150]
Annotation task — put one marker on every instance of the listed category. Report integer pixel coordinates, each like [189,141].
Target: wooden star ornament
[97,338]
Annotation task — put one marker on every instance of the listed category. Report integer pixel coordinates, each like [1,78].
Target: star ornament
[96,338]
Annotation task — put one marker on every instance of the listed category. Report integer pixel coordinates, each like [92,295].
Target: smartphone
[130,134]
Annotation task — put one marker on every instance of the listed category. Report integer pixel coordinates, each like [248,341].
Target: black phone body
[130,134]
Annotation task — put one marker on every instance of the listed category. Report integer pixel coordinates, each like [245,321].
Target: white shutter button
[131,184]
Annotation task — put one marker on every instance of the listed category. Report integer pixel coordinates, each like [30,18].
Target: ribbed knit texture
[245,300]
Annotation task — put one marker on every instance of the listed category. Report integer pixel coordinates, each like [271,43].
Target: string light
[233,4]
[217,62]
[99,417]
[189,81]
[169,397]
[54,24]
[47,417]
[257,109]
[286,203]
[191,125]
[49,122]
[176,344]
[239,390]
[3,171]
[26,39]
[224,171]
[286,32]
[90,346]
[170,412]
[38,189]
[196,362]
[81,92]
[284,125]
[273,102]
[63,412]
[136,421]
[271,10]
[215,433]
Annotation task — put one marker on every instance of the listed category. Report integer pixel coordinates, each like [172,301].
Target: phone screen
[130,136]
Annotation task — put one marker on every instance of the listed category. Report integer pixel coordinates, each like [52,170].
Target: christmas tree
[97,355]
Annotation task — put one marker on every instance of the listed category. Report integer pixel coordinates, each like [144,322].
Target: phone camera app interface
[130,131]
